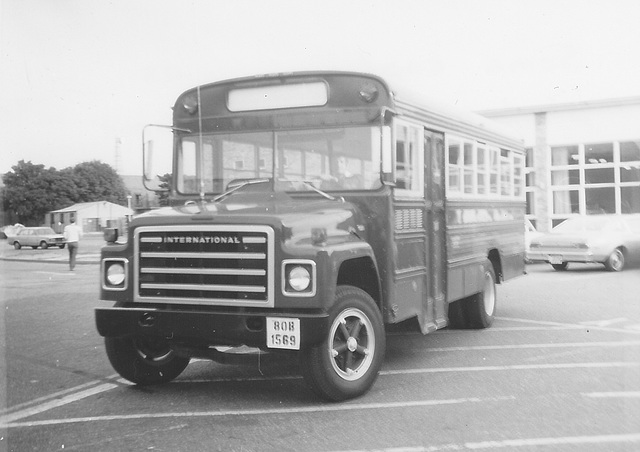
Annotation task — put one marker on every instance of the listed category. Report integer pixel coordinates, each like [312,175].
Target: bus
[308,212]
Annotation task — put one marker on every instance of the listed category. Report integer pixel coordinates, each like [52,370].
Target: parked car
[530,233]
[36,237]
[612,240]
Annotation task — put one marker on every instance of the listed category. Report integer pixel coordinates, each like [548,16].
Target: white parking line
[512,443]
[570,325]
[268,411]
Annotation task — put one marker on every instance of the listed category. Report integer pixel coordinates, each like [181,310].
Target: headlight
[115,274]
[298,278]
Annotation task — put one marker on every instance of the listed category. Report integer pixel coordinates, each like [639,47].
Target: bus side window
[408,161]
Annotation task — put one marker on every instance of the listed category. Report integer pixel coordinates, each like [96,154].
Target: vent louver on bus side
[408,219]
[212,265]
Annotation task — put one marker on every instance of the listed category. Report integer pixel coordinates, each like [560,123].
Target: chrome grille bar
[223,265]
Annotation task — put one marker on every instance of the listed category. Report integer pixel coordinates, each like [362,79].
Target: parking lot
[559,370]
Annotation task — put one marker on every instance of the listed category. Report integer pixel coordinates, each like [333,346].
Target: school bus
[308,212]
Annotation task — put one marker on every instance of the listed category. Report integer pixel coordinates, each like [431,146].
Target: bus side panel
[480,230]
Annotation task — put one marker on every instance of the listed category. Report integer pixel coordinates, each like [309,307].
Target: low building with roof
[90,216]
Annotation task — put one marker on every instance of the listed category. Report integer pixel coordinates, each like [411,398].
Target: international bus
[309,212]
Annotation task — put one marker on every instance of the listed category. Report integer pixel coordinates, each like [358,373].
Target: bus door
[434,178]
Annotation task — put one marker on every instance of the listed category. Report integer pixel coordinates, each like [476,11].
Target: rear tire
[476,311]
[17,245]
[346,363]
[615,262]
[144,361]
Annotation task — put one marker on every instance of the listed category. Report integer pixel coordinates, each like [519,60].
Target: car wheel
[144,361]
[346,363]
[560,267]
[17,245]
[44,245]
[615,262]
[61,246]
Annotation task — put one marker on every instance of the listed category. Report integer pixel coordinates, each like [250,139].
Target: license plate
[283,332]
[555,260]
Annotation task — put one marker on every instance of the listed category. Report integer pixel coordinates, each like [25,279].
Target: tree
[97,181]
[32,190]
[165,183]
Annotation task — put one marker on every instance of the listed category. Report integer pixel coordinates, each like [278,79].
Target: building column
[541,164]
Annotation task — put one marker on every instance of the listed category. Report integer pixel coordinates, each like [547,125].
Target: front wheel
[144,361]
[346,363]
[615,261]
[44,245]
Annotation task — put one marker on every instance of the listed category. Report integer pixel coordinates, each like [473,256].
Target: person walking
[72,235]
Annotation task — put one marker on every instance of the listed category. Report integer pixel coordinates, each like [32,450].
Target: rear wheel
[17,245]
[346,363]
[476,311]
[560,267]
[615,262]
[61,246]
[144,361]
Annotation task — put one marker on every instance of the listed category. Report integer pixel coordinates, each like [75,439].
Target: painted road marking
[571,325]
[524,442]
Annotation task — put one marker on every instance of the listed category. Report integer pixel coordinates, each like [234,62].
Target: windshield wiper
[237,187]
[312,187]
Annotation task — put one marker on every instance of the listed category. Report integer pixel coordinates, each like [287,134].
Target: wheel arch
[361,272]
[496,262]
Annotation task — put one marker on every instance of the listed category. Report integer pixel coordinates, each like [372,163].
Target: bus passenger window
[409,150]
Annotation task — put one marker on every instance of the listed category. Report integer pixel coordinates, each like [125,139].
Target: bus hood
[302,220]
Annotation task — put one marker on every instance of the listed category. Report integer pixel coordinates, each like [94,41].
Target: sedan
[612,240]
[36,237]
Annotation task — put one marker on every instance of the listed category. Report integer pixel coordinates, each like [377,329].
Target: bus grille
[212,265]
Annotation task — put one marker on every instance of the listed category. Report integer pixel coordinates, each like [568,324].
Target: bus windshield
[331,159]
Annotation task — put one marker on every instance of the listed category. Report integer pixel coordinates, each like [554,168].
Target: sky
[79,79]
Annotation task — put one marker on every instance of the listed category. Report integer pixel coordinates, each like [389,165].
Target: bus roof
[345,92]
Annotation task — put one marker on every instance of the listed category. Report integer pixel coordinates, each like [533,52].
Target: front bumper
[204,328]
[559,256]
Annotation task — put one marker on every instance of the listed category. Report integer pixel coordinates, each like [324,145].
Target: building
[91,216]
[141,198]
[582,158]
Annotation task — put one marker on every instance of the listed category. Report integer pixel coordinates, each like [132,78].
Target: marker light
[190,103]
[368,93]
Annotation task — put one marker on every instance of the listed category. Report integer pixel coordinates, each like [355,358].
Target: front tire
[44,245]
[346,363]
[144,361]
[615,262]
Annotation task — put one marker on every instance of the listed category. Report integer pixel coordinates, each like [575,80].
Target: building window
[565,177]
[600,153]
[566,202]
[565,156]
[630,199]
[600,200]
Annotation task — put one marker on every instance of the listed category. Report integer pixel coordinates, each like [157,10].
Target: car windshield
[346,158]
